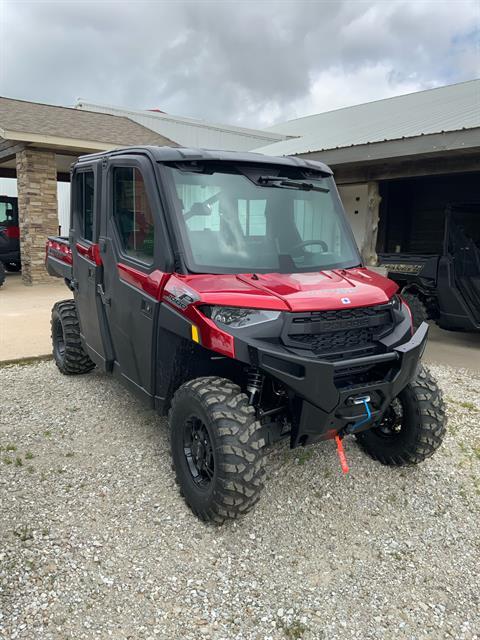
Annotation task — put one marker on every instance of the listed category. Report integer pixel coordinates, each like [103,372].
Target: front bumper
[323,406]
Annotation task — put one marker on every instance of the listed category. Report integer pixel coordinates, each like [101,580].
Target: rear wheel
[68,352]
[417,307]
[413,426]
[216,449]
[2,273]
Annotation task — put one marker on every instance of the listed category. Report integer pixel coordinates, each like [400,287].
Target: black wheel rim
[198,450]
[393,420]
[59,339]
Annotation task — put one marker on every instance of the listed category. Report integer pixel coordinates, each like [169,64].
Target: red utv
[226,290]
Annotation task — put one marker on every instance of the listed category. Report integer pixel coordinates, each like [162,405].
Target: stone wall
[37,208]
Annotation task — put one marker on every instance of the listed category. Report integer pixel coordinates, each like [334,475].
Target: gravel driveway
[97,543]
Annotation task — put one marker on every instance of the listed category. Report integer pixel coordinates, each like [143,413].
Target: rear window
[85,192]
[8,214]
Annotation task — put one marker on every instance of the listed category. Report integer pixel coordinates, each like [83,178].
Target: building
[188,132]
[39,143]
[398,163]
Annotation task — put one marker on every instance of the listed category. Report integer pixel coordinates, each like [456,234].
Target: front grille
[340,333]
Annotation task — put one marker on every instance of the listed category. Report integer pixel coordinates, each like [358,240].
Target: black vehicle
[9,236]
[227,291]
[444,288]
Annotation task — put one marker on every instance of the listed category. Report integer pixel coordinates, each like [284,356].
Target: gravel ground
[96,541]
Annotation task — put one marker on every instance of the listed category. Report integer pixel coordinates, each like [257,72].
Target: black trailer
[444,287]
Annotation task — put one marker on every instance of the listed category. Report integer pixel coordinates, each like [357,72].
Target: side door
[133,256]
[87,263]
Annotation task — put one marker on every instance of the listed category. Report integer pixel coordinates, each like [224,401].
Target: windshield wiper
[278,181]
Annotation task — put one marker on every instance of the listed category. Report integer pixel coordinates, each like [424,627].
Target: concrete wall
[355,202]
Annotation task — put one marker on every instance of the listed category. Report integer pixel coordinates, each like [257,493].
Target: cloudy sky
[244,62]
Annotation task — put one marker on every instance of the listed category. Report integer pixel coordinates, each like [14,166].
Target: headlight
[396,302]
[237,317]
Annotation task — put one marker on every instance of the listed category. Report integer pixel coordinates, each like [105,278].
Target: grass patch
[29,455]
[304,455]
[9,447]
[18,462]
[7,460]
[293,630]
[467,405]
[24,533]
[70,454]
[47,433]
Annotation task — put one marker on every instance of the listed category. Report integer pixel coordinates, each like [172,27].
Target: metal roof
[183,154]
[190,132]
[449,108]
[23,120]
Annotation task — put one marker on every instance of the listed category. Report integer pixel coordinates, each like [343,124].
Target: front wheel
[413,426]
[216,448]
[2,273]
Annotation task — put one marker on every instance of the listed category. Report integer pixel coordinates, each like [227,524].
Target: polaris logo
[345,301]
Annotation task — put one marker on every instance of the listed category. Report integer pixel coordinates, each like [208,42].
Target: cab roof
[181,154]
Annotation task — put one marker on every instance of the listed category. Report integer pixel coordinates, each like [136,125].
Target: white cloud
[249,63]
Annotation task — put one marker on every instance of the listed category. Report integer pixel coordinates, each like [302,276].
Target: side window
[132,214]
[85,192]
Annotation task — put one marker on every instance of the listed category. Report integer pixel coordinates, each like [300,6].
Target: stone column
[369,253]
[37,209]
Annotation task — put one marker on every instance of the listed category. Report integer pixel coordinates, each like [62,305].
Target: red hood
[294,292]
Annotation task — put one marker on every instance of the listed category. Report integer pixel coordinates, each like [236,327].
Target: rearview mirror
[198,209]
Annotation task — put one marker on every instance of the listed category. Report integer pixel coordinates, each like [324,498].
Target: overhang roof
[451,108]
[69,128]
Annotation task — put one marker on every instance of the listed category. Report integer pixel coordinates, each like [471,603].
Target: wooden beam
[9,149]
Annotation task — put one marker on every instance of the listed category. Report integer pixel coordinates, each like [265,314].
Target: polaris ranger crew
[227,291]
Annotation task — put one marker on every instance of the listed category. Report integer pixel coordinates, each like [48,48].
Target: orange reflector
[341,455]
[195,335]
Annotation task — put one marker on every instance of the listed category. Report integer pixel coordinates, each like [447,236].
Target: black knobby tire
[417,307]
[2,273]
[68,352]
[413,427]
[236,472]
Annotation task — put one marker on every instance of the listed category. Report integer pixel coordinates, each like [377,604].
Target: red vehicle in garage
[9,236]
[227,291]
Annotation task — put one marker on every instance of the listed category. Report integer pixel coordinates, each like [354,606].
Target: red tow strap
[341,455]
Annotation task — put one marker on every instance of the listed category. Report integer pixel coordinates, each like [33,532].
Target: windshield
[232,224]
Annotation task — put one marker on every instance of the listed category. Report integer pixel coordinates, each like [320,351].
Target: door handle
[147,307]
[104,298]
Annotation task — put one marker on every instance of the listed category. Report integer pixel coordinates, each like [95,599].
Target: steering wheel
[301,245]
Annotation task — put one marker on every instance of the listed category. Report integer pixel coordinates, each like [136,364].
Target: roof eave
[443,141]
[57,141]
